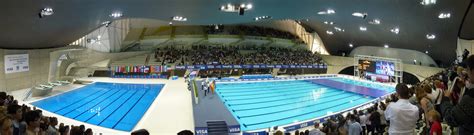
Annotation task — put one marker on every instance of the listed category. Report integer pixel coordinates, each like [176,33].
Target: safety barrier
[141,76]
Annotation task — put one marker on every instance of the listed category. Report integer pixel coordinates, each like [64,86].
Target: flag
[152,69]
[147,69]
[158,69]
[212,86]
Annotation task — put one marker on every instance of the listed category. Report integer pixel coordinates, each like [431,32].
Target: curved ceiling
[23,29]
[467,27]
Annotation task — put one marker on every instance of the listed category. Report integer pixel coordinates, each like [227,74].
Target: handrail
[28,94]
[196,96]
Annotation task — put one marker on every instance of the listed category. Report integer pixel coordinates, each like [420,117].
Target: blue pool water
[113,105]
[365,84]
[258,105]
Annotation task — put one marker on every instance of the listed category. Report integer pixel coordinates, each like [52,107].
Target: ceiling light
[351,45]
[235,8]
[357,14]
[327,12]
[249,6]
[329,32]
[385,46]
[338,29]
[46,12]
[362,28]
[106,23]
[330,23]
[444,15]
[179,18]
[330,11]
[116,15]
[375,21]
[428,2]
[430,36]
[395,30]
[262,18]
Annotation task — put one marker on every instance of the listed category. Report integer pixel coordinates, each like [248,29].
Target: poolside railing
[28,94]
[196,96]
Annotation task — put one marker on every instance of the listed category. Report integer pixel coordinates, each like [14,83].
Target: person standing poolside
[401,114]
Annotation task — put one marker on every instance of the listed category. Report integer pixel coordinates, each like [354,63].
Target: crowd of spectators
[208,55]
[250,31]
[18,119]
[446,98]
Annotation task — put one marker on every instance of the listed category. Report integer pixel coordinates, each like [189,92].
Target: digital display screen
[385,68]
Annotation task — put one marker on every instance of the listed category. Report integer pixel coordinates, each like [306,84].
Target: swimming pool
[112,105]
[365,84]
[260,105]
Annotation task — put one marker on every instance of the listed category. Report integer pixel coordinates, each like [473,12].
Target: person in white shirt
[316,130]
[354,126]
[363,121]
[402,115]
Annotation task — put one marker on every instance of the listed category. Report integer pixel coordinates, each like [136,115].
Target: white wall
[288,26]
[318,45]
[337,63]
[407,56]
[38,72]
[464,44]
[106,38]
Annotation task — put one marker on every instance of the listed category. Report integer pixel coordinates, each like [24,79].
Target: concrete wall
[288,26]
[84,59]
[407,56]
[338,63]
[38,72]
[464,44]
[44,67]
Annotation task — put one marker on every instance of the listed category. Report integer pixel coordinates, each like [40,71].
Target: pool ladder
[217,128]
[28,94]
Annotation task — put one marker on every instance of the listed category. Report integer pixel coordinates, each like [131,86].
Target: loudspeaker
[241,11]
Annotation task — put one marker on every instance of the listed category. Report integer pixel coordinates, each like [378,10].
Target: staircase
[217,128]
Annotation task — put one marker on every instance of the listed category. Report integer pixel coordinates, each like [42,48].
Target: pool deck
[170,113]
[351,88]
[210,108]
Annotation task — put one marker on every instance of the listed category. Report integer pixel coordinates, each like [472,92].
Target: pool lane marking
[267,96]
[135,91]
[246,125]
[243,89]
[294,108]
[147,91]
[268,89]
[275,100]
[122,105]
[101,102]
[283,90]
[369,85]
[284,104]
[82,99]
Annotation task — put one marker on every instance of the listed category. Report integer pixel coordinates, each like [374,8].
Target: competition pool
[260,105]
[112,105]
